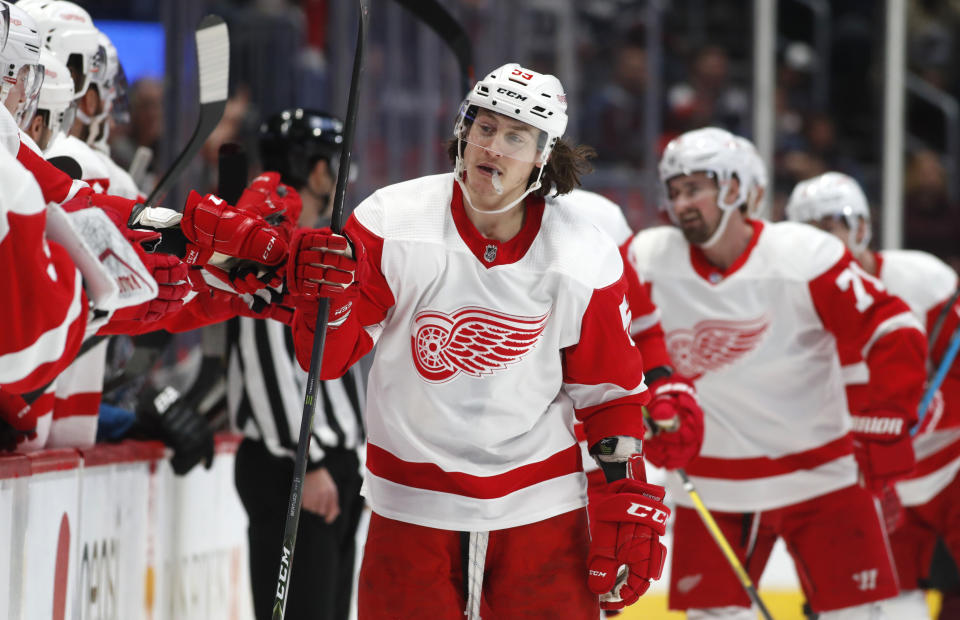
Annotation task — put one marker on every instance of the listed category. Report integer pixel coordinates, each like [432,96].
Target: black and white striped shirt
[265,388]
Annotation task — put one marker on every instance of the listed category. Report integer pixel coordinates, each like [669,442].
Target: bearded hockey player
[498,320]
[756,313]
[931,493]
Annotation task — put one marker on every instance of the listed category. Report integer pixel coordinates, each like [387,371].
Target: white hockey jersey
[486,351]
[926,284]
[121,183]
[760,340]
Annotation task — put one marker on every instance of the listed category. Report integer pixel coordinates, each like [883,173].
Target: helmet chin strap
[722,226]
[459,171]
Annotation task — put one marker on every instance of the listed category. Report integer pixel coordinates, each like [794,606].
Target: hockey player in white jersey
[498,320]
[756,313]
[931,493]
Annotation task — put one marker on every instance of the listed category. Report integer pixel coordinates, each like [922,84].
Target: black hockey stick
[434,15]
[213,73]
[313,375]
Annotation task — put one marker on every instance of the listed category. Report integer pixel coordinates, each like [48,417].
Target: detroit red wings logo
[711,345]
[473,341]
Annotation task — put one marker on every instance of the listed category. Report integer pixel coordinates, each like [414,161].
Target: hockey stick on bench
[311,394]
[213,67]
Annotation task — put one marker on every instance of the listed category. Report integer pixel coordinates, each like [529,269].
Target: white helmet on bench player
[717,153]
[56,95]
[836,195]
[20,62]
[533,98]
[67,30]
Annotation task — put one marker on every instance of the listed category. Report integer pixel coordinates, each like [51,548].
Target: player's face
[17,94]
[498,152]
[693,198]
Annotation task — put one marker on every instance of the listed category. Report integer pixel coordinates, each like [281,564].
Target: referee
[265,400]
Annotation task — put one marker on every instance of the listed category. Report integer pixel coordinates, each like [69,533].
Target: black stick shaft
[319,337]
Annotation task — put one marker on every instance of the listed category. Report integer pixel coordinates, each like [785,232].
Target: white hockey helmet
[832,194]
[757,177]
[4,23]
[536,99]
[56,100]
[20,62]
[714,151]
[67,30]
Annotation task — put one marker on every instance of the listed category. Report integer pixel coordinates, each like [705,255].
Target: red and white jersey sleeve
[56,185]
[928,286]
[45,314]
[877,329]
[486,353]
[764,361]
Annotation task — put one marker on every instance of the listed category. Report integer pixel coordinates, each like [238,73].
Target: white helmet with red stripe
[836,195]
[22,74]
[67,30]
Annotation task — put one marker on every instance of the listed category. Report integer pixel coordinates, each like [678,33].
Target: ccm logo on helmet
[511,94]
[639,510]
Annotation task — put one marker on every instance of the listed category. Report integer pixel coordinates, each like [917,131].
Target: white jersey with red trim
[89,166]
[45,311]
[926,284]
[760,340]
[486,352]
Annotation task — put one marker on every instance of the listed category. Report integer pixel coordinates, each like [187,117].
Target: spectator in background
[613,121]
[146,121]
[931,222]
[708,97]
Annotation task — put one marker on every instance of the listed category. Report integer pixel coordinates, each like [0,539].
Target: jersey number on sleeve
[853,276]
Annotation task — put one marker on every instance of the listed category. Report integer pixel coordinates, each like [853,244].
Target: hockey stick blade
[434,15]
[313,375]
[213,72]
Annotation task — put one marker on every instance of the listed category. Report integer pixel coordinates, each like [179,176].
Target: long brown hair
[562,171]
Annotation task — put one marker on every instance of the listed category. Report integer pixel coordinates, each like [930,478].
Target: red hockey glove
[278,204]
[677,423]
[212,225]
[249,277]
[171,276]
[321,263]
[18,421]
[627,519]
[883,449]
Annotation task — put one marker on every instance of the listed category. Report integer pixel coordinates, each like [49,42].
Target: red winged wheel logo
[711,345]
[474,341]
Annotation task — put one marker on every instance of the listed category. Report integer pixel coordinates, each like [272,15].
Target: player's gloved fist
[172,286]
[18,421]
[322,263]
[882,447]
[627,519]
[676,422]
[248,277]
[212,225]
[165,415]
[278,204]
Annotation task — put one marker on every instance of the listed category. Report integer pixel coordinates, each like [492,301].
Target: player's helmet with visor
[522,94]
[56,102]
[832,195]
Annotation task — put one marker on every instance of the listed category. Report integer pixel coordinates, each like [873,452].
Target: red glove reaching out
[678,423]
[18,421]
[212,225]
[627,519]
